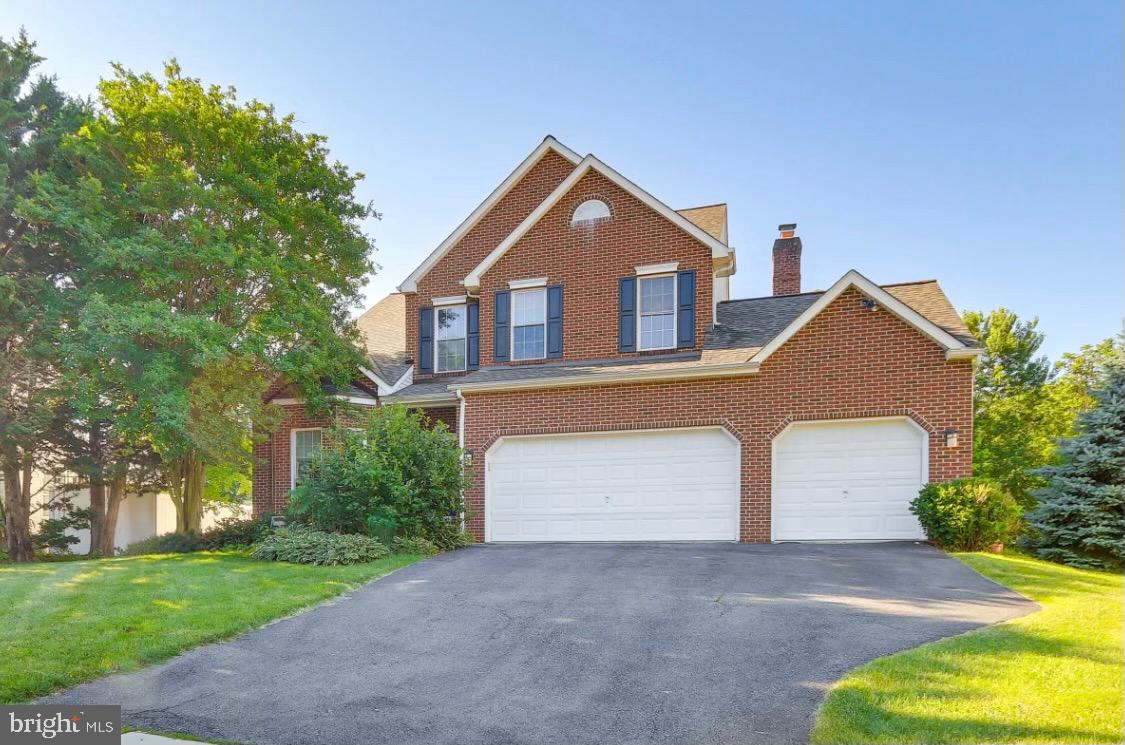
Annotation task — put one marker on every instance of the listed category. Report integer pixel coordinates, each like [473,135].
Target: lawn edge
[222,639]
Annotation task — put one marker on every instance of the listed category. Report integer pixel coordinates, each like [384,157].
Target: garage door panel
[848,480]
[661,485]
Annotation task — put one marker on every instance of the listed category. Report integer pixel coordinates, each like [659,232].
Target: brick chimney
[787,261]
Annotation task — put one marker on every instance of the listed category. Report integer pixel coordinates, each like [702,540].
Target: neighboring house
[140,516]
[577,336]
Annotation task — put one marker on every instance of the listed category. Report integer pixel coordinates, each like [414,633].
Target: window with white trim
[450,338]
[590,211]
[529,324]
[306,447]
[657,318]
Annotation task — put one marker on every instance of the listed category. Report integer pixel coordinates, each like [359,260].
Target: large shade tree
[220,248]
[34,116]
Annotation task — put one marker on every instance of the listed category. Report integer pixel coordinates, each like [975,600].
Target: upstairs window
[529,324]
[657,320]
[590,211]
[306,447]
[450,338]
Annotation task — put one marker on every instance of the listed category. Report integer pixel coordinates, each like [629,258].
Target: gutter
[965,353]
[734,369]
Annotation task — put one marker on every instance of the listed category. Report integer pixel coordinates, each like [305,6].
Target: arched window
[592,210]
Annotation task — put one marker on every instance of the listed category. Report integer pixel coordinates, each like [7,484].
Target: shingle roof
[383,329]
[745,326]
[712,218]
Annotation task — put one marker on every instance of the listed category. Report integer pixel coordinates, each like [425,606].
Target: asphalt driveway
[633,643]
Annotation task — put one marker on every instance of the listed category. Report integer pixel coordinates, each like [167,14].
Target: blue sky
[979,142]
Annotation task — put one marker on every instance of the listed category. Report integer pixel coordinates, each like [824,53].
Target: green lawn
[1051,677]
[63,623]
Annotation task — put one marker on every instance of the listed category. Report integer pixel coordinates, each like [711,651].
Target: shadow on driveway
[569,643]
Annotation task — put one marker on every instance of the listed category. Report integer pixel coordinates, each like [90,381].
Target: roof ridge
[703,206]
[770,297]
[912,282]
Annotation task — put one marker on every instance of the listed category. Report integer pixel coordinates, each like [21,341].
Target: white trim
[789,427]
[450,300]
[349,399]
[293,450]
[718,248]
[465,311]
[512,324]
[668,268]
[968,353]
[410,284]
[854,279]
[383,387]
[521,284]
[675,309]
[726,370]
[737,465]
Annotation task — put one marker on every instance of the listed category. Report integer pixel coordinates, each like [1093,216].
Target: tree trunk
[17,515]
[186,477]
[105,545]
[97,492]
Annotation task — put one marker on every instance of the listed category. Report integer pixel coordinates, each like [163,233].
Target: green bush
[168,543]
[397,475]
[235,532]
[299,546]
[417,546]
[53,532]
[968,514]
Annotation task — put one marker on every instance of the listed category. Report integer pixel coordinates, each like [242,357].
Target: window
[658,312]
[451,338]
[590,211]
[529,324]
[306,446]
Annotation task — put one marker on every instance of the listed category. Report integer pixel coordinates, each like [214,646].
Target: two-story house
[578,336]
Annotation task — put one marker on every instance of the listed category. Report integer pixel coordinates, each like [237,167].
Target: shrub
[299,546]
[417,546]
[168,543]
[235,532]
[53,535]
[967,514]
[399,474]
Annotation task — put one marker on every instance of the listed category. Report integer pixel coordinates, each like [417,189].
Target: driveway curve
[569,643]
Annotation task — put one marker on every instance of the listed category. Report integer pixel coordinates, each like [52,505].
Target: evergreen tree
[1080,519]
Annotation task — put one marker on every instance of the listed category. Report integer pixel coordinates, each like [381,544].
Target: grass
[64,623]
[1054,676]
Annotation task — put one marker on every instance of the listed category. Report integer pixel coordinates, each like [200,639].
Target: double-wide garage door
[661,485]
[838,480]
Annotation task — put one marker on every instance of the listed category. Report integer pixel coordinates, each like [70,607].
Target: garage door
[848,480]
[666,485]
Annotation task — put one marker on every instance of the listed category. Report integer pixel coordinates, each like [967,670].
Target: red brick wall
[444,279]
[447,415]
[589,260]
[849,362]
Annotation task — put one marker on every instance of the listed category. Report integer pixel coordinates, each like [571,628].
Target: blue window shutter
[472,333]
[426,340]
[500,337]
[555,321]
[685,310]
[627,314]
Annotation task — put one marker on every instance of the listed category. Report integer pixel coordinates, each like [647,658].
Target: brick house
[577,336]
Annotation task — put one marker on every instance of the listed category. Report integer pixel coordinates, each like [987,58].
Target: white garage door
[665,485]
[849,480]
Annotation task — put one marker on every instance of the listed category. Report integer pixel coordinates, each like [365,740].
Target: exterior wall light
[951,438]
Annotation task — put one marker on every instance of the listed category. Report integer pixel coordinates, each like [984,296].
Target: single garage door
[851,480]
[661,485]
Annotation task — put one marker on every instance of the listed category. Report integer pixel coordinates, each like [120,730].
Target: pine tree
[1080,519]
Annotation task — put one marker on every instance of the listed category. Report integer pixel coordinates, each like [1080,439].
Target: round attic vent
[590,211]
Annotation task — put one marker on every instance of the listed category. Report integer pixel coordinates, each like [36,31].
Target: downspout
[461,444]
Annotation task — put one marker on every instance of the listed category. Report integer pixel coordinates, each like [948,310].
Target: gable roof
[383,330]
[711,217]
[718,248]
[410,284]
[954,346]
